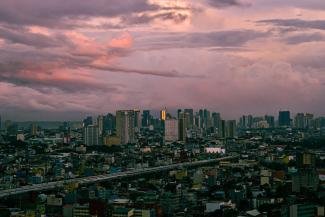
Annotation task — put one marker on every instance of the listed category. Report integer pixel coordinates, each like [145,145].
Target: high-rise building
[270,120]
[207,119]
[163,114]
[171,129]
[309,121]
[87,121]
[125,128]
[91,135]
[222,129]
[300,121]
[33,129]
[0,123]
[284,118]
[243,122]
[250,121]
[146,118]
[100,124]
[306,160]
[109,124]
[216,118]
[231,129]
[179,111]
[191,117]
[306,176]
[137,119]
[183,126]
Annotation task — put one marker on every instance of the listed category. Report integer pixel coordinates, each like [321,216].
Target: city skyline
[75,117]
[63,60]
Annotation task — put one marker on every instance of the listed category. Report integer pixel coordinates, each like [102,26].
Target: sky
[64,59]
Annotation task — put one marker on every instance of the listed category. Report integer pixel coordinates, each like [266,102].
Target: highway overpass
[108,177]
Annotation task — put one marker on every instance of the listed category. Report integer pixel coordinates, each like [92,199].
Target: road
[108,177]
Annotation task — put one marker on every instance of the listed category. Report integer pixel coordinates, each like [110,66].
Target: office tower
[243,122]
[33,129]
[222,129]
[300,121]
[91,135]
[87,121]
[284,118]
[137,119]
[270,120]
[100,124]
[250,121]
[231,129]
[146,118]
[306,176]
[309,121]
[125,129]
[216,120]
[305,160]
[191,117]
[109,123]
[197,120]
[206,118]
[179,111]
[171,129]
[183,126]
[163,114]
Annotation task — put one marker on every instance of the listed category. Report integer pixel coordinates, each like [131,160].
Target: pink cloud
[125,40]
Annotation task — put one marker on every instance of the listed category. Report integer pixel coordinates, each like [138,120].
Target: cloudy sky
[63,59]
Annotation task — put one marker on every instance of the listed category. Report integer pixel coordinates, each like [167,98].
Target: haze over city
[64,59]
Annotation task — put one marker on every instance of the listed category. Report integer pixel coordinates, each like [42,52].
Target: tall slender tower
[125,128]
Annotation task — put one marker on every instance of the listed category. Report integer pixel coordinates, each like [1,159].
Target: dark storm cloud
[22,36]
[41,78]
[296,23]
[146,18]
[304,38]
[167,74]
[60,12]
[226,3]
[231,38]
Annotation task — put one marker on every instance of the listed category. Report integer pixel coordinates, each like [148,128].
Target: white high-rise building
[171,130]
[91,135]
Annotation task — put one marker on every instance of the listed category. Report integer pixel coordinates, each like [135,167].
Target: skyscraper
[183,126]
[91,135]
[284,118]
[171,129]
[109,123]
[137,119]
[300,121]
[163,114]
[222,129]
[125,128]
[206,119]
[179,111]
[216,120]
[146,118]
[33,129]
[309,121]
[231,129]
[270,120]
[87,121]
[191,117]
[242,122]
[100,124]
